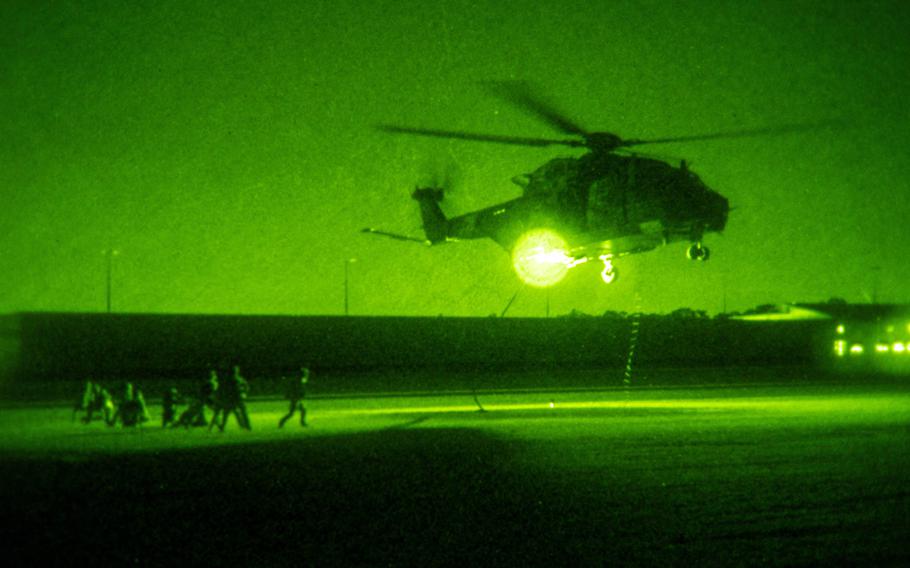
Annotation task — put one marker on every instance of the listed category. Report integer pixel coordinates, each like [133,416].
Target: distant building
[783,312]
[863,337]
[871,336]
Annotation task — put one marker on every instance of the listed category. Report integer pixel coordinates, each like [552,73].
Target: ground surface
[780,474]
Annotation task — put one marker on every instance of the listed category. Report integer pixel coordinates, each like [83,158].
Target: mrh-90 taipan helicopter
[605,204]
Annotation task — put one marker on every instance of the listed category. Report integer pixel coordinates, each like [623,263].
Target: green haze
[226,149]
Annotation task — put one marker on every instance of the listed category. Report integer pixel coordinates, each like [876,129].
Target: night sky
[227,149]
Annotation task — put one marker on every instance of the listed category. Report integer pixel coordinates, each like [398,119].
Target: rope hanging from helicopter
[633,340]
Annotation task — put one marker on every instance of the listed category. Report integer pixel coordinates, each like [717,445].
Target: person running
[295,392]
[233,400]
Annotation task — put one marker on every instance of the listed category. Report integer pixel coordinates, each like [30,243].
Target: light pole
[876,270]
[347,264]
[109,255]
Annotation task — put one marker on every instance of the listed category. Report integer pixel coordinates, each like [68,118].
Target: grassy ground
[763,474]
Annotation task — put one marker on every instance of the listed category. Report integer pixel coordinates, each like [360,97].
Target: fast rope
[633,341]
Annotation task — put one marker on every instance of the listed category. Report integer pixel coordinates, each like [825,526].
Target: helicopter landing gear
[609,273]
[698,252]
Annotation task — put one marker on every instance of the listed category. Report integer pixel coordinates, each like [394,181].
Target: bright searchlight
[541,259]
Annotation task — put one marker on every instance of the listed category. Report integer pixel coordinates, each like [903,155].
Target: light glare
[840,346]
[540,258]
[608,275]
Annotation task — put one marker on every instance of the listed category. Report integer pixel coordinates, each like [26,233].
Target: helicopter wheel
[698,252]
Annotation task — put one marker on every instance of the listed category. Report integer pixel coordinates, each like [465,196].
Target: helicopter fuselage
[601,204]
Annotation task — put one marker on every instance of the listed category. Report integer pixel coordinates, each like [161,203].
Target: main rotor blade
[495,138]
[745,133]
[523,95]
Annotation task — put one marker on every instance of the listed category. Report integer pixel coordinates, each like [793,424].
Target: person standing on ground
[233,400]
[296,393]
[85,400]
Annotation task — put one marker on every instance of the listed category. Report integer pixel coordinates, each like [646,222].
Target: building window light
[840,347]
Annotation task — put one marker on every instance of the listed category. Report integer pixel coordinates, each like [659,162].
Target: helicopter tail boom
[435,224]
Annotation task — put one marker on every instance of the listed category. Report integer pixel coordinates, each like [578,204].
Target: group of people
[128,409]
[223,397]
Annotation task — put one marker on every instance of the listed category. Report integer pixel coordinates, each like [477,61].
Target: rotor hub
[603,141]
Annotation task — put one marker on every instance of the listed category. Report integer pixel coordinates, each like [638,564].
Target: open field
[805,473]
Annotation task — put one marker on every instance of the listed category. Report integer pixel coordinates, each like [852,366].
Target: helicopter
[604,204]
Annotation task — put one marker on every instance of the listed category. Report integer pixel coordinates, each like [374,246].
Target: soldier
[141,408]
[233,400]
[132,410]
[100,401]
[194,415]
[85,400]
[295,392]
[219,403]
[169,403]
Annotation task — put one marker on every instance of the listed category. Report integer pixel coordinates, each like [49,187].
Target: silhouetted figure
[85,400]
[233,400]
[194,415]
[99,401]
[295,392]
[243,389]
[169,403]
[132,410]
[219,403]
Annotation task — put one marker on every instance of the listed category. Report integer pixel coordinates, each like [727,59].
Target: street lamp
[109,255]
[347,264]
[876,272]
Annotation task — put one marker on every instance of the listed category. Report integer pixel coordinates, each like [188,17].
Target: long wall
[74,346]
